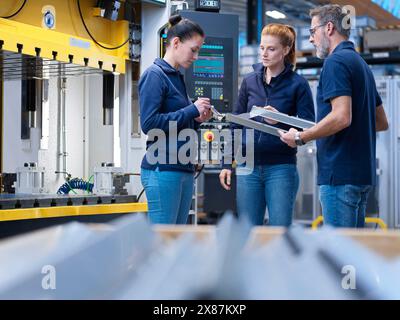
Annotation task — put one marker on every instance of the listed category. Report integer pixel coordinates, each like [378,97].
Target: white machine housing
[30,179]
[104,177]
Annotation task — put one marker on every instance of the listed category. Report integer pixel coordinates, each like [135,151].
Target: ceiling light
[275,14]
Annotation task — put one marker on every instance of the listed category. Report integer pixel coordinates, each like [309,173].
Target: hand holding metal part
[246,119]
[204,108]
[280,117]
[292,137]
[289,137]
[267,120]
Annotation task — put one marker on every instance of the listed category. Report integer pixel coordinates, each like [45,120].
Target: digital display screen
[210,64]
[211,74]
[214,74]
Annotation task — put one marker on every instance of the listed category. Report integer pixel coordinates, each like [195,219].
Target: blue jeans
[271,186]
[169,195]
[344,205]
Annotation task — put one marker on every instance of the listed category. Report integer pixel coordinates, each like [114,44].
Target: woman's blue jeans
[169,195]
[271,186]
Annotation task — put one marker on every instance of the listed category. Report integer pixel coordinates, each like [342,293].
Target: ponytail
[182,28]
[291,56]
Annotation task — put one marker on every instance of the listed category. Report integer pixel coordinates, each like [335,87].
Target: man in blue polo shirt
[350,112]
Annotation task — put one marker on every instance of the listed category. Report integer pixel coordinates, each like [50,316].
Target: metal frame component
[17,66]
[133,260]
[216,114]
[246,121]
[281,117]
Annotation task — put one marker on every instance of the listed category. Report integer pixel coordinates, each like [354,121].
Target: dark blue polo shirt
[162,99]
[348,157]
[289,93]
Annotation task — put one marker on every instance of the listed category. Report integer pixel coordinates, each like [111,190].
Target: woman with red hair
[274,180]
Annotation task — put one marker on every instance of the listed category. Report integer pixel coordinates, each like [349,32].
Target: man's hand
[269,121]
[225,178]
[288,137]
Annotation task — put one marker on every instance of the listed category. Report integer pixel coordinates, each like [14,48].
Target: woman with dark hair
[274,181]
[166,110]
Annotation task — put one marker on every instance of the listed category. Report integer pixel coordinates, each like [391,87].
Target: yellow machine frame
[71,211]
[69,38]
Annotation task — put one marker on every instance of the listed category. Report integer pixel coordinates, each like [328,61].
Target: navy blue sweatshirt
[162,99]
[289,93]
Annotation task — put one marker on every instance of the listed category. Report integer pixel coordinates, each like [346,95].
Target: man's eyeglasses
[314,29]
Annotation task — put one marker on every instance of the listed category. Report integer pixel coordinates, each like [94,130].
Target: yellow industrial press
[65,31]
[40,39]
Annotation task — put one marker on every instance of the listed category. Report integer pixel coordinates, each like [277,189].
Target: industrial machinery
[213,75]
[104,178]
[69,103]
[69,81]
[71,147]
[67,69]
[30,179]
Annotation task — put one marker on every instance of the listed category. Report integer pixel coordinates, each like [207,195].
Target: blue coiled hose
[76,184]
